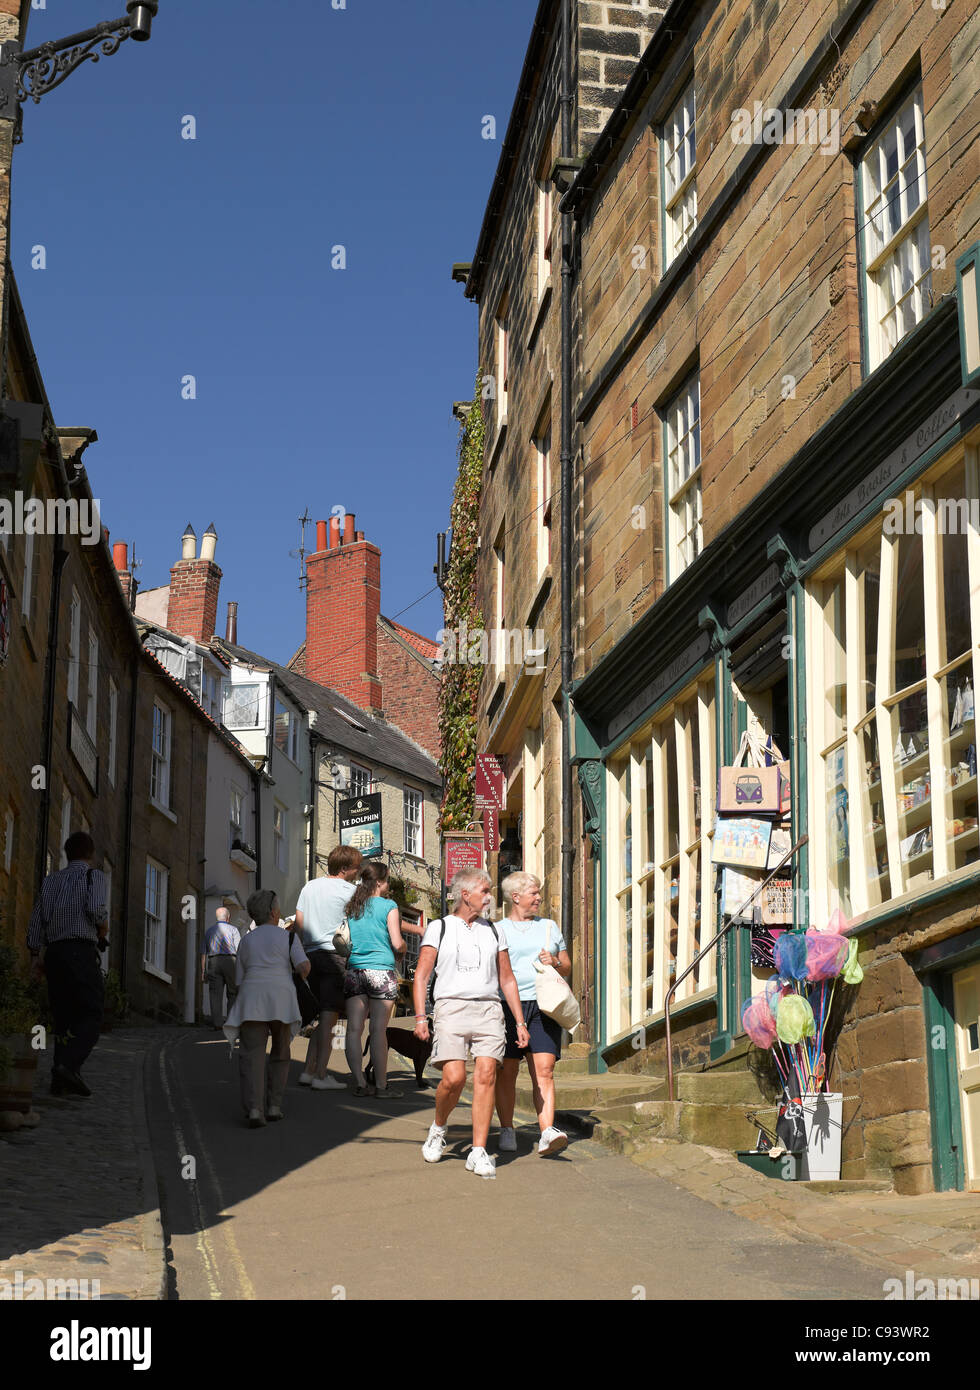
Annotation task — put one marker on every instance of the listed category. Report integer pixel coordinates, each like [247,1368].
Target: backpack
[442,933]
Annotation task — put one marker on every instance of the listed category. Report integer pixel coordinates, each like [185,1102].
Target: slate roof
[375,739]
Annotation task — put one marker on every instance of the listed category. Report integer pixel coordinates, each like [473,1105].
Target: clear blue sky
[165,257]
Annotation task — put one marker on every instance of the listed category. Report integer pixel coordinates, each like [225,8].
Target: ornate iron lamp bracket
[29,75]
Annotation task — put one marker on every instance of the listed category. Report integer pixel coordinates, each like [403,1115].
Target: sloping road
[336,1202]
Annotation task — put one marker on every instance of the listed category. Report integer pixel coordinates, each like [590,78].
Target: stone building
[514,278]
[775,393]
[771,351]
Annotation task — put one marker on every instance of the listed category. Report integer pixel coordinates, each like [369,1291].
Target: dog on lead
[404,1041]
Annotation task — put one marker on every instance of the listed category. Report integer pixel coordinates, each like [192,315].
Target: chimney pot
[188,548]
[348,528]
[321,536]
[231,626]
[358,535]
[334,533]
[208,543]
[120,557]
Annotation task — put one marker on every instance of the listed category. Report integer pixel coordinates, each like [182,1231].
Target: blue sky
[168,257]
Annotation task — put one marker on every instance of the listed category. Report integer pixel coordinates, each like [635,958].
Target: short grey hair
[260,905]
[464,881]
[519,882]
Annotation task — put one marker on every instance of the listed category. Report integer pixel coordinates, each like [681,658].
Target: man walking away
[70,925]
[320,911]
[221,942]
[471,962]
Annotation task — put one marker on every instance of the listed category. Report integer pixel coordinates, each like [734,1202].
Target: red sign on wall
[491,829]
[463,854]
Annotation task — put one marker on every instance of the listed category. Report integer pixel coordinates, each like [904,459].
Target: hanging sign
[489,783]
[491,830]
[360,824]
[463,852]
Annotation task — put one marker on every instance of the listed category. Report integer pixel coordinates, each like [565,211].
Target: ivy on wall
[461,678]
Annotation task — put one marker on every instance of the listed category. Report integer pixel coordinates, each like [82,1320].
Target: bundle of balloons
[790,1016]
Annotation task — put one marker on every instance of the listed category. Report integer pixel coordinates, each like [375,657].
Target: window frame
[671,202]
[231,689]
[280,837]
[888,252]
[407,792]
[113,731]
[74,648]
[545,508]
[365,790]
[674,497]
[157,963]
[92,686]
[161,759]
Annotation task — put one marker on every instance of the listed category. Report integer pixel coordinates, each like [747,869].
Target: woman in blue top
[371,984]
[531,938]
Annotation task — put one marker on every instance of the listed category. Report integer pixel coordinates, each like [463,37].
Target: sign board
[489,782]
[360,824]
[491,830]
[463,853]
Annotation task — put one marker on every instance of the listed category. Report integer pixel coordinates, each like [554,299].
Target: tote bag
[555,998]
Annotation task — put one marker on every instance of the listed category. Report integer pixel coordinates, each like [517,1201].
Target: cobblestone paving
[936,1235]
[78,1197]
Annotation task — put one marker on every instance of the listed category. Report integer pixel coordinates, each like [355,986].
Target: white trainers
[481,1163]
[327,1083]
[507,1140]
[273,1113]
[435,1144]
[255,1119]
[306,1078]
[552,1141]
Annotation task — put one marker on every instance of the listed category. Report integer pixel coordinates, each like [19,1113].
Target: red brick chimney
[120,560]
[192,610]
[343,601]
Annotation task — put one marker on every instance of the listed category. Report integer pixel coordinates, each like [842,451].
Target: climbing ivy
[460,678]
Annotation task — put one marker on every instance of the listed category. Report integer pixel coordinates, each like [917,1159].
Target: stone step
[718,1088]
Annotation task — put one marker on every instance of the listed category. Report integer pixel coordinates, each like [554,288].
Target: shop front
[839,615]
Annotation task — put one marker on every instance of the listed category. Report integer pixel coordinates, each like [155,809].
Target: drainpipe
[311,858]
[567,480]
[258,830]
[57,570]
[130,783]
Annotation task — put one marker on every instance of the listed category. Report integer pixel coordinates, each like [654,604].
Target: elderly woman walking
[266,1006]
[530,938]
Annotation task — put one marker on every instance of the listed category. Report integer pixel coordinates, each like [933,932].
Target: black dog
[403,1040]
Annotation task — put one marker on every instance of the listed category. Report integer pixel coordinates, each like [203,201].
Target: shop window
[660,826]
[893,645]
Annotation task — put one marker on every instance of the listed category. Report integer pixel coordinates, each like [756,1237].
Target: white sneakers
[552,1141]
[435,1144]
[327,1083]
[306,1078]
[273,1113]
[481,1163]
[507,1140]
[255,1119]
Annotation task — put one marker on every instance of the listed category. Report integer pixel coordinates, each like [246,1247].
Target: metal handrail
[711,944]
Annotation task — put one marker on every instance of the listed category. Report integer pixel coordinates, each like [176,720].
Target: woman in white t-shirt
[530,938]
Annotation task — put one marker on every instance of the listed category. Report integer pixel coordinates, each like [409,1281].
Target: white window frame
[155,908]
[413,829]
[533,824]
[92,697]
[682,477]
[161,745]
[356,789]
[499,656]
[501,332]
[542,450]
[28,591]
[280,830]
[113,731]
[74,647]
[544,206]
[236,829]
[897,260]
[873,887]
[232,690]
[678,153]
[638,956]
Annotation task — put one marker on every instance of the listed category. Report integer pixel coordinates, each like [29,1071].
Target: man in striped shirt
[70,924]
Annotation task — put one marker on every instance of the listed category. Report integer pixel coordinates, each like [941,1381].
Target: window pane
[910,620]
[910,755]
[835,699]
[960,799]
[873,819]
[952,524]
[670,765]
[838,845]
[869,588]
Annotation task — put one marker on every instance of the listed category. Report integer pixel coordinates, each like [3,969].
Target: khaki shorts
[467,1025]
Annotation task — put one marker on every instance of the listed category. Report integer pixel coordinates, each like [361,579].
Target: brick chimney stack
[192,610]
[120,560]
[343,603]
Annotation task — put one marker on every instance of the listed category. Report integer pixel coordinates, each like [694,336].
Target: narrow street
[336,1202]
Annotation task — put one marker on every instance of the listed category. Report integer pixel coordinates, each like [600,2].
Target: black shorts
[326,980]
[544,1032]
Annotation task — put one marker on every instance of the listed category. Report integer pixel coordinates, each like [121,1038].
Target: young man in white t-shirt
[320,911]
[472,968]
